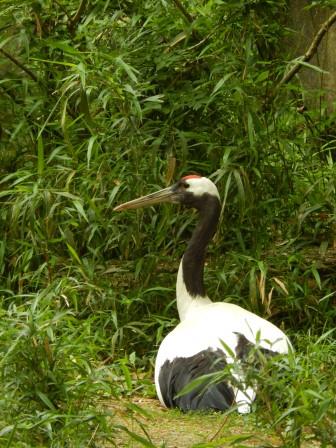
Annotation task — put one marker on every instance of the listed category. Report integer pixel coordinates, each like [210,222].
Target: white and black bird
[210,335]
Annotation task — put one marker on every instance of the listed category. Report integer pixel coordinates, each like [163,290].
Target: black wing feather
[175,375]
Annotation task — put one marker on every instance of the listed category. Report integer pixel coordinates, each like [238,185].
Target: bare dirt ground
[160,427]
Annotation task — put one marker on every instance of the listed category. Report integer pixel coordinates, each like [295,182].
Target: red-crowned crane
[211,335]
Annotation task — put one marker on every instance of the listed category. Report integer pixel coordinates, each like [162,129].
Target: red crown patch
[191,176]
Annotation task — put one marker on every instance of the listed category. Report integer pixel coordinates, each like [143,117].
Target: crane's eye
[182,185]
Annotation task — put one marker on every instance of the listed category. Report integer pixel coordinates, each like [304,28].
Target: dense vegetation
[102,101]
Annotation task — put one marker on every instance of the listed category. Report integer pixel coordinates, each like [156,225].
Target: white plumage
[206,324]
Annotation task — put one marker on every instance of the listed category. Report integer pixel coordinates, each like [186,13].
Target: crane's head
[190,191]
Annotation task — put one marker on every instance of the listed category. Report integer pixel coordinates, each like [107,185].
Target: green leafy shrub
[299,394]
[49,373]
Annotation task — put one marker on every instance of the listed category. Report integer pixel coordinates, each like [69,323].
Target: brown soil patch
[160,427]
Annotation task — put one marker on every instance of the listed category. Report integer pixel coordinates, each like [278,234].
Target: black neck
[194,257]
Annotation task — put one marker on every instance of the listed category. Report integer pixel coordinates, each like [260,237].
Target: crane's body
[210,335]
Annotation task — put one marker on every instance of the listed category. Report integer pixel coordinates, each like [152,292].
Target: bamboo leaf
[40,155]
[80,209]
[43,397]
[73,253]
[221,82]
[91,144]
[281,284]
[131,71]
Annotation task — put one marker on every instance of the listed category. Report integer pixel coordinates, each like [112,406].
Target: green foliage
[49,375]
[303,387]
[102,101]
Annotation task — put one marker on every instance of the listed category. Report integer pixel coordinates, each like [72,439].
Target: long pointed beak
[165,195]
